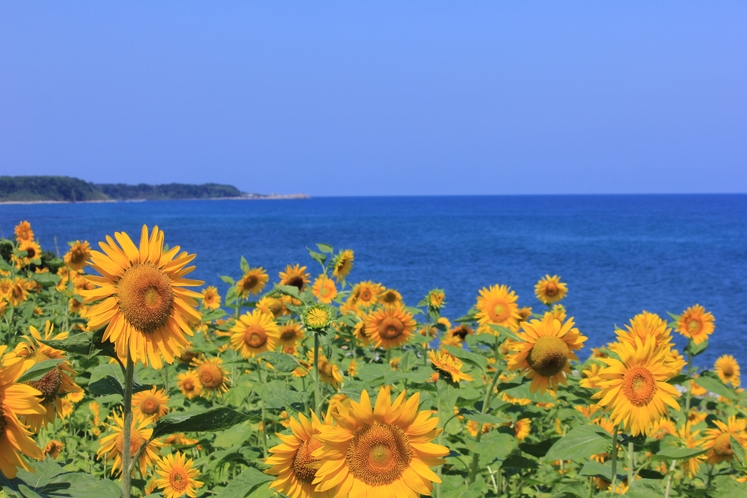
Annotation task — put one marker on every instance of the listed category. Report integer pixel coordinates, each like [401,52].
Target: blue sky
[379,98]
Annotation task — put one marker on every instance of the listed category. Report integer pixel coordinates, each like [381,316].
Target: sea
[619,254]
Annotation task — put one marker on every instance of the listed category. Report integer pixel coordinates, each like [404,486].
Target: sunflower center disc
[30,252]
[379,454]
[210,376]
[146,297]
[49,385]
[639,386]
[179,481]
[694,326]
[391,328]
[250,282]
[255,337]
[296,281]
[3,423]
[288,335]
[548,356]
[149,406]
[303,459]
[499,312]
[77,256]
[728,371]
[365,295]
[551,290]
[722,445]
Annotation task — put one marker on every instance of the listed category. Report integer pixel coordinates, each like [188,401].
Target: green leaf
[245,483]
[696,349]
[580,442]
[671,453]
[3,265]
[109,379]
[244,265]
[493,446]
[39,370]
[228,280]
[282,362]
[540,449]
[468,356]
[505,331]
[213,315]
[46,279]
[482,418]
[519,462]
[317,256]
[738,450]
[645,488]
[233,436]
[710,382]
[603,470]
[213,419]
[84,343]
[325,248]
[290,290]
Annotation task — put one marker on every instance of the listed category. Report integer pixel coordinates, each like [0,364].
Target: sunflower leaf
[506,332]
[710,382]
[696,349]
[468,357]
[228,279]
[738,450]
[109,379]
[39,370]
[244,265]
[213,419]
[326,248]
[580,442]
[289,290]
[317,256]
[249,480]
[678,453]
[282,362]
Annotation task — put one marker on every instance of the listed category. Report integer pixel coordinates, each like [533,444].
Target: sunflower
[550,289]
[727,368]
[460,331]
[292,462]
[386,450]
[635,387]
[78,254]
[544,354]
[210,298]
[176,476]
[290,333]
[366,294]
[661,428]
[189,384]
[53,448]
[359,332]
[18,291]
[328,371]
[696,324]
[353,368]
[521,427]
[141,296]
[449,365]
[718,440]
[324,289]
[435,299]
[390,297]
[56,383]
[23,232]
[271,306]
[342,265]
[252,282]
[212,376]
[317,317]
[111,445]
[645,325]
[33,252]
[15,400]
[496,305]
[297,276]
[153,403]
[689,439]
[254,333]
[389,327]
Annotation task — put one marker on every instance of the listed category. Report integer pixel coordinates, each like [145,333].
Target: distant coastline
[68,190]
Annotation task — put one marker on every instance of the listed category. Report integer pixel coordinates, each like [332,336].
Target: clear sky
[379,98]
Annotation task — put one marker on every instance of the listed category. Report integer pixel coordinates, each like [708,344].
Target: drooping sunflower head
[385,450]
[342,265]
[448,365]
[435,299]
[696,324]
[718,440]
[317,317]
[150,404]
[389,327]
[548,346]
[290,333]
[727,369]
[189,384]
[212,376]
[141,297]
[78,255]
[550,289]
[496,305]
[253,281]
[254,333]
[177,476]
[23,232]
[297,276]
[210,297]
[324,289]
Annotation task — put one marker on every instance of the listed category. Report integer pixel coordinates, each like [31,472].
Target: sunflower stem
[126,435]
[263,432]
[689,373]
[485,404]
[669,479]
[317,396]
[614,458]
[631,462]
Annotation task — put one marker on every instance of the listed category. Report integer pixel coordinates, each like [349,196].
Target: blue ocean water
[619,254]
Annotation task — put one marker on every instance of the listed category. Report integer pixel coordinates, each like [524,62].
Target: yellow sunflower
[448,364]
[153,403]
[212,376]
[689,439]
[521,427]
[17,291]
[496,305]
[23,232]
[15,400]
[460,332]
[359,332]
[386,450]
[290,333]
[292,462]
[56,383]
[111,445]
[297,276]
[544,354]
[389,327]
[328,371]
[366,294]
[635,387]
[390,297]
[53,448]
[696,324]
[663,427]
[435,299]
[550,289]
[645,325]
[254,333]
[324,289]
[727,368]
[189,384]
[141,297]
[33,251]
[176,476]
[253,281]
[271,306]
[79,253]
[718,440]
[210,298]
[342,265]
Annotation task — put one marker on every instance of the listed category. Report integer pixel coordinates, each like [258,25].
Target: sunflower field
[122,376]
